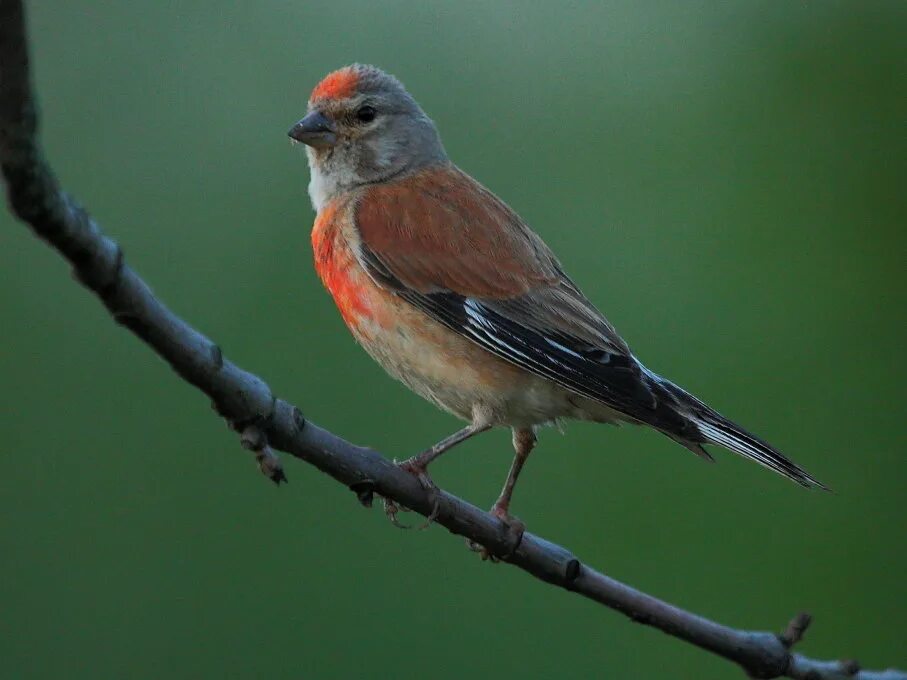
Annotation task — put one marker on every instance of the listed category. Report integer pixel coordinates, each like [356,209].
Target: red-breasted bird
[455,296]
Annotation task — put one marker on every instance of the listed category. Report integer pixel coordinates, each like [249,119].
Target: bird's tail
[713,428]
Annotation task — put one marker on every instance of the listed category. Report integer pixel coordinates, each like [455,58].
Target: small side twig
[254,439]
[795,630]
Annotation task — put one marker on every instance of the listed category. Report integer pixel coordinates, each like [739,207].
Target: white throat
[319,188]
[329,178]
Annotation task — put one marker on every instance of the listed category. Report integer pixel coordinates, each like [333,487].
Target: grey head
[363,127]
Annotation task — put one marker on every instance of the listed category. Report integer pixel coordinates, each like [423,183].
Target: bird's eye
[365,114]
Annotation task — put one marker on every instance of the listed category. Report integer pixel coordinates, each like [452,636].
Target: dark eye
[365,114]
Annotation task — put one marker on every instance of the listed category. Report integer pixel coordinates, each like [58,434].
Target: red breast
[338,268]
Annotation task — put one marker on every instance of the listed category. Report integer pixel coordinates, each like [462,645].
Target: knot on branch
[365,491]
[512,530]
[850,667]
[246,415]
[572,572]
[777,666]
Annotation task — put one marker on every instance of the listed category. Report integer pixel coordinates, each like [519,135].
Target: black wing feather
[612,378]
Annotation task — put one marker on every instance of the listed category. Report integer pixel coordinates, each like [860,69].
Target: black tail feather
[704,425]
[716,429]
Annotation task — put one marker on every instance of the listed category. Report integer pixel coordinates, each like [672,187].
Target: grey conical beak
[315,130]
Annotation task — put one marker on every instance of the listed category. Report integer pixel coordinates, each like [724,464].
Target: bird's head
[361,127]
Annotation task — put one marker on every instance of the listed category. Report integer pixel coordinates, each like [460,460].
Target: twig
[255,440]
[247,402]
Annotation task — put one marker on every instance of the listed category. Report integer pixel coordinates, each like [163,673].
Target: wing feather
[452,249]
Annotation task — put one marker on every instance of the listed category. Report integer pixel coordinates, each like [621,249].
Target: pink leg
[418,464]
[418,467]
[523,442]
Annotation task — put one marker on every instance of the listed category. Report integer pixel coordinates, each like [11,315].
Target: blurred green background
[725,180]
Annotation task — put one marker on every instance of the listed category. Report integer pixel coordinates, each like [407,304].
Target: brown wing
[451,248]
[439,229]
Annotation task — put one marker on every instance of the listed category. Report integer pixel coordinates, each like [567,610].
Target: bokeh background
[726,180]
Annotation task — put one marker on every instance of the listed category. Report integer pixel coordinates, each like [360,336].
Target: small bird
[455,296]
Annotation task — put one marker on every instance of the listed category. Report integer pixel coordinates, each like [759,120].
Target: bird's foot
[391,508]
[420,472]
[513,533]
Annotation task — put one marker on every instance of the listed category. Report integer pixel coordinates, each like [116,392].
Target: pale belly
[459,376]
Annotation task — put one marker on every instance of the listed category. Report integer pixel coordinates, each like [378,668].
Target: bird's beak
[314,130]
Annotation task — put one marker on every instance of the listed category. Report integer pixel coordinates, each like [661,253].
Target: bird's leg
[524,440]
[418,466]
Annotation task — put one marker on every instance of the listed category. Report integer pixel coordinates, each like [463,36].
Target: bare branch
[264,421]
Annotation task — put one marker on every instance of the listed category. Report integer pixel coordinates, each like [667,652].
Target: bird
[453,294]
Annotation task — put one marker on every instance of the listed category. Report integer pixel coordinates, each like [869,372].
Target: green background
[725,180]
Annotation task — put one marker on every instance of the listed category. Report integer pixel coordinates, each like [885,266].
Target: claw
[421,474]
[391,509]
[418,464]
[484,553]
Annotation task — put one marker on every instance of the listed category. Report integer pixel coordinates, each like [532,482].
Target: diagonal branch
[262,419]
